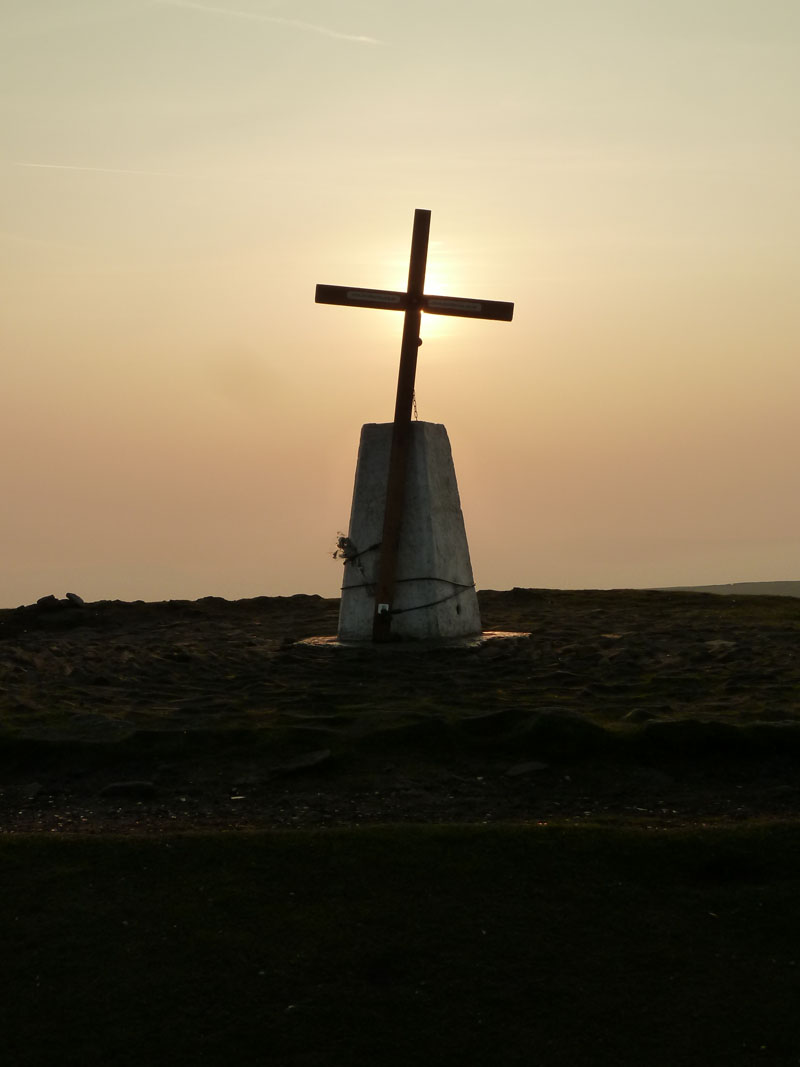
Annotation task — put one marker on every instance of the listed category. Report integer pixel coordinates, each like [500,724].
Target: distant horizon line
[722,587]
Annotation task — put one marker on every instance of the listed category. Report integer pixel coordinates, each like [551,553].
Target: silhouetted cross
[413,302]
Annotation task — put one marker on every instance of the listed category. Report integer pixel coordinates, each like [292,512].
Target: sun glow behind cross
[440,280]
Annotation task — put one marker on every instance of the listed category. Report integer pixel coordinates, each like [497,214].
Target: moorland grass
[538,945]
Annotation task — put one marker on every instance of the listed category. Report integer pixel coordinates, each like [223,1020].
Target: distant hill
[741,589]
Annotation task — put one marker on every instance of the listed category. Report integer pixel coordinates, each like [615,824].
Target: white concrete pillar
[434,594]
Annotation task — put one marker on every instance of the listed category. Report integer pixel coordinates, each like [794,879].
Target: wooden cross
[413,302]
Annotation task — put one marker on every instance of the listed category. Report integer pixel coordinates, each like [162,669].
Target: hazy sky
[180,419]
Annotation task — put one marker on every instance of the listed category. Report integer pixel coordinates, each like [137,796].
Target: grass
[538,945]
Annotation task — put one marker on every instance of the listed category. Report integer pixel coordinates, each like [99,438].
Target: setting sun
[439,281]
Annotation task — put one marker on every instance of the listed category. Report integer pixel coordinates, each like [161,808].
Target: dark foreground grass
[404,945]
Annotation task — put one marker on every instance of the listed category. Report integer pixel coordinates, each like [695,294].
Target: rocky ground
[654,707]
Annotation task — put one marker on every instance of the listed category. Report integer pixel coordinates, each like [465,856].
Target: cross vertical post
[401,430]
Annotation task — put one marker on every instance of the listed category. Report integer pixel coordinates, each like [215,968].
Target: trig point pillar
[434,594]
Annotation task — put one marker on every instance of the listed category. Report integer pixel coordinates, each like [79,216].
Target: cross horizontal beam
[389,300]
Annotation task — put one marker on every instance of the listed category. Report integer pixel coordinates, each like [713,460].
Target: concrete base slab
[391,647]
[435,593]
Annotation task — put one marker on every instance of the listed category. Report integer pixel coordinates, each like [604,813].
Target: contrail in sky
[101,170]
[293,24]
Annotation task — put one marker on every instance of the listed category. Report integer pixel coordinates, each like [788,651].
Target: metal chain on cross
[414,393]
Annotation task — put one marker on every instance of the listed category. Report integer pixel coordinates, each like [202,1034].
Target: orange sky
[180,419]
